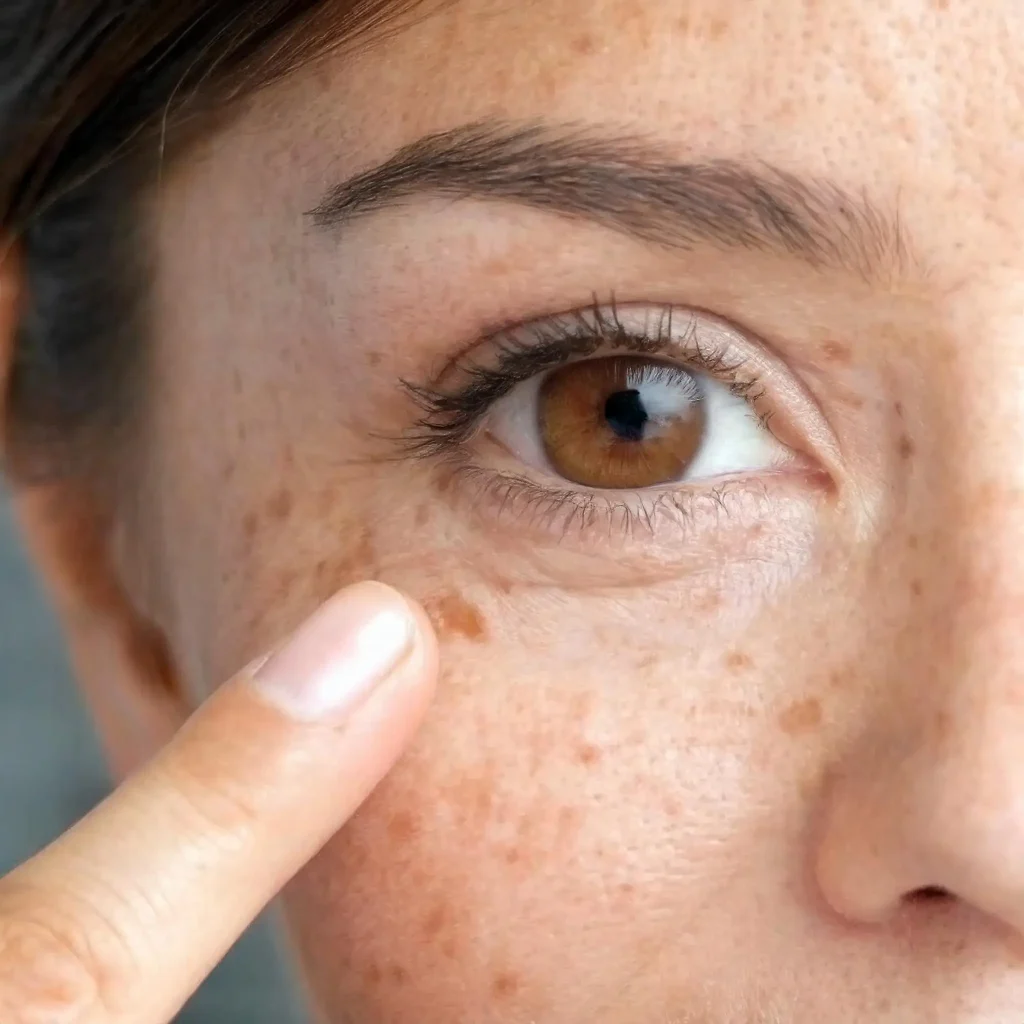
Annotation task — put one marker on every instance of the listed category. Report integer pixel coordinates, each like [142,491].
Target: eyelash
[450,417]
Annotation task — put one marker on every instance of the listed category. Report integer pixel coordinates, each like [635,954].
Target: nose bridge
[971,497]
[976,633]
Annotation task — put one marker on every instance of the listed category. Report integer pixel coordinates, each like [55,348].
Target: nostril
[928,894]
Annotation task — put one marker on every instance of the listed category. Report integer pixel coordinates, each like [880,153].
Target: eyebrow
[632,186]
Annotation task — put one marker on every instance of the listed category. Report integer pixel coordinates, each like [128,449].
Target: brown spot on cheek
[453,616]
[437,922]
[588,755]
[506,985]
[279,507]
[583,45]
[359,562]
[737,661]
[837,352]
[403,827]
[801,717]
[905,448]
[718,28]
[916,588]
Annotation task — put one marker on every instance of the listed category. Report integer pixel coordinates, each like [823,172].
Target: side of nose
[929,799]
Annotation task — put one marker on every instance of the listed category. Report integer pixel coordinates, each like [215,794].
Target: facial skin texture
[763,767]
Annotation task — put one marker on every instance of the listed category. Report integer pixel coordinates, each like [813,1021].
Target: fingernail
[339,655]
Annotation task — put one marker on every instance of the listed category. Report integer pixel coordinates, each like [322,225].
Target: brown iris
[621,422]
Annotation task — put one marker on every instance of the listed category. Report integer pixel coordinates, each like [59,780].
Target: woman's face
[672,355]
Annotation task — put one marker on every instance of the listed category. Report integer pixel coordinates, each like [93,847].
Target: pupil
[626,415]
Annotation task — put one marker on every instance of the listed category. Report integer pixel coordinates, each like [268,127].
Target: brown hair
[90,92]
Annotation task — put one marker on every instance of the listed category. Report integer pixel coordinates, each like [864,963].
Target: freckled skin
[801,717]
[649,790]
[454,616]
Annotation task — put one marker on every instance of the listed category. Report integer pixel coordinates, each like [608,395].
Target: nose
[929,798]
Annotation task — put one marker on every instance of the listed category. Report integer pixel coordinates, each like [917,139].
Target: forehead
[917,99]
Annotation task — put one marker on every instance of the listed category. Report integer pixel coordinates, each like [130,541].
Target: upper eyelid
[529,348]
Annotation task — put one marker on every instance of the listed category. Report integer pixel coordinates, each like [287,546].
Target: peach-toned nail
[340,654]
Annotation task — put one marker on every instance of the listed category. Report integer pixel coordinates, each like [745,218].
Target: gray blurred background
[51,773]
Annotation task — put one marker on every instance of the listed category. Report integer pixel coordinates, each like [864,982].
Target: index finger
[141,899]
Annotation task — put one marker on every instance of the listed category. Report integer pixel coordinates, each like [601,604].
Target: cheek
[512,822]
[594,779]
[553,817]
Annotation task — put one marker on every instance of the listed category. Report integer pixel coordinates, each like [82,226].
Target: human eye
[615,415]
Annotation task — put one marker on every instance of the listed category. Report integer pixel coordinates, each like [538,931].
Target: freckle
[436,922]
[505,985]
[627,888]
[837,352]
[853,401]
[588,755]
[838,680]
[916,588]
[402,827]
[801,717]
[513,856]
[913,542]
[398,974]
[250,524]
[737,661]
[229,470]
[583,45]
[906,447]
[897,408]
[718,28]
[422,515]
[710,603]
[374,359]
[671,808]
[649,662]
[449,949]
[280,505]
[453,616]
[373,975]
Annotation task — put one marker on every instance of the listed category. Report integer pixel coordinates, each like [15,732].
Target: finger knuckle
[218,807]
[48,974]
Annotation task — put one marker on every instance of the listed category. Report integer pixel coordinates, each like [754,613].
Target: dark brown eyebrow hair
[632,186]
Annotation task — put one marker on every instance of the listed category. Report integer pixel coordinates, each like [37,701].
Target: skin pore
[749,754]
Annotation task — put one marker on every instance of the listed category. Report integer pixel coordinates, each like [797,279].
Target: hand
[123,916]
